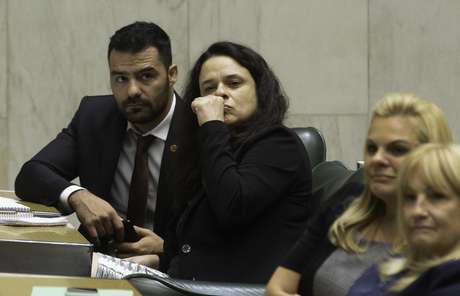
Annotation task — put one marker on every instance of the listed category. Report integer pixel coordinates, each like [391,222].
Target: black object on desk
[107,245]
[81,292]
[130,234]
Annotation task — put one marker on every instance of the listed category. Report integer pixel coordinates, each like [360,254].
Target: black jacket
[89,149]
[253,206]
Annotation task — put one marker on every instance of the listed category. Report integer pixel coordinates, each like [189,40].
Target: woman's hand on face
[208,108]
[149,243]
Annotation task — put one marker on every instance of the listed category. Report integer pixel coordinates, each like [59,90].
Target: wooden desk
[55,250]
[21,284]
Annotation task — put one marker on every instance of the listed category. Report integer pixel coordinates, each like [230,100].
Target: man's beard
[141,111]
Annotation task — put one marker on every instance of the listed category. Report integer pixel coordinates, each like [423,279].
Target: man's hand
[208,108]
[150,243]
[152,261]
[98,217]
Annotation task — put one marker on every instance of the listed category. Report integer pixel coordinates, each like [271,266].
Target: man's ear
[172,74]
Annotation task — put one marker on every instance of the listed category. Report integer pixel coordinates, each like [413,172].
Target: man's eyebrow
[143,70]
[147,69]
[117,72]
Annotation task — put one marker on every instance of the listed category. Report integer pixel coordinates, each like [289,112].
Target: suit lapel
[165,196]
[111,147]
[179,174]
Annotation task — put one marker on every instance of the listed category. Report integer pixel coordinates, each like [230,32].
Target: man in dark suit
[99,146]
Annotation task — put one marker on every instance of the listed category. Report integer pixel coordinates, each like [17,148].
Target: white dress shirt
[122,177]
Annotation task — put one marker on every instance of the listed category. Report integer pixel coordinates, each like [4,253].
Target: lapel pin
[173,148]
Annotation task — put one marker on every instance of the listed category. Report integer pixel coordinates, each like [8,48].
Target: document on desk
[16,214]
[9,204]
[107,267]
[28,219]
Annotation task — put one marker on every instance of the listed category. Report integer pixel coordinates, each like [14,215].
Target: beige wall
[415,46]
[334,57]
[4,152]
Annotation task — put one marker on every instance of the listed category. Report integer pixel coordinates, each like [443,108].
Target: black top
[253,206]
[314,246]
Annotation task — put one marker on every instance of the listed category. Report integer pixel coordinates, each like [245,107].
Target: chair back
[332,180]
[314,143]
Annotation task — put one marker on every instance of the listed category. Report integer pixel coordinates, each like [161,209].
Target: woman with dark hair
[272,103]
[255,172]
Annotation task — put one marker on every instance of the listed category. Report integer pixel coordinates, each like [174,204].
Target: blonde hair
[438,167]
[430,125]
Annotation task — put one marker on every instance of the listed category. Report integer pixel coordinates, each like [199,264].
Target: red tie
[139,182]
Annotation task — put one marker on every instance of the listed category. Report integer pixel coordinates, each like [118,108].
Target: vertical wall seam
[7,92]
[259,24]
[368,43]
[188,35]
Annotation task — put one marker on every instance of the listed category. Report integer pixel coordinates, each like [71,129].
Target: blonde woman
[347,236]
[428,216]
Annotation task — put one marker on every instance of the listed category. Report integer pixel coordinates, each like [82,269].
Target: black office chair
[314,143]
[331,179]
[155,285]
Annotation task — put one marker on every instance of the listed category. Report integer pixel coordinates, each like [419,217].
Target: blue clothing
[440,280]
[369,284]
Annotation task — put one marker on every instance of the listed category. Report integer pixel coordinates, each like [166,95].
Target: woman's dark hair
[272,103]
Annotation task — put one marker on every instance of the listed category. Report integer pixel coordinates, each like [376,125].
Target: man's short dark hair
[138,36]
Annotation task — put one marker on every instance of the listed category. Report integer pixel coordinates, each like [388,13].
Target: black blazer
[252,208]
[89,149]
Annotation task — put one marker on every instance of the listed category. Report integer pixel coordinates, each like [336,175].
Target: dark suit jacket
[253,207]
[89,149]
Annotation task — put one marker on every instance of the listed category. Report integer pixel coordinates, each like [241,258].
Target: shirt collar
[161,130]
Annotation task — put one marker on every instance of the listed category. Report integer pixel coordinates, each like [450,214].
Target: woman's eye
[399,150]
[235,83]
[209,89]
[409,197]
[436,196]
[371,149]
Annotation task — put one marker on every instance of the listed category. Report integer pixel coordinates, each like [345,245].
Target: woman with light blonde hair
[428,124]
[349,235]
[428,220]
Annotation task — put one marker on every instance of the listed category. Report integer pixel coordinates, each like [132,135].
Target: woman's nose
[379,156]
[420,205]
[221,91]
[418,210]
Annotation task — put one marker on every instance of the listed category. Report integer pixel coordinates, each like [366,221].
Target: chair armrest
[154,285]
